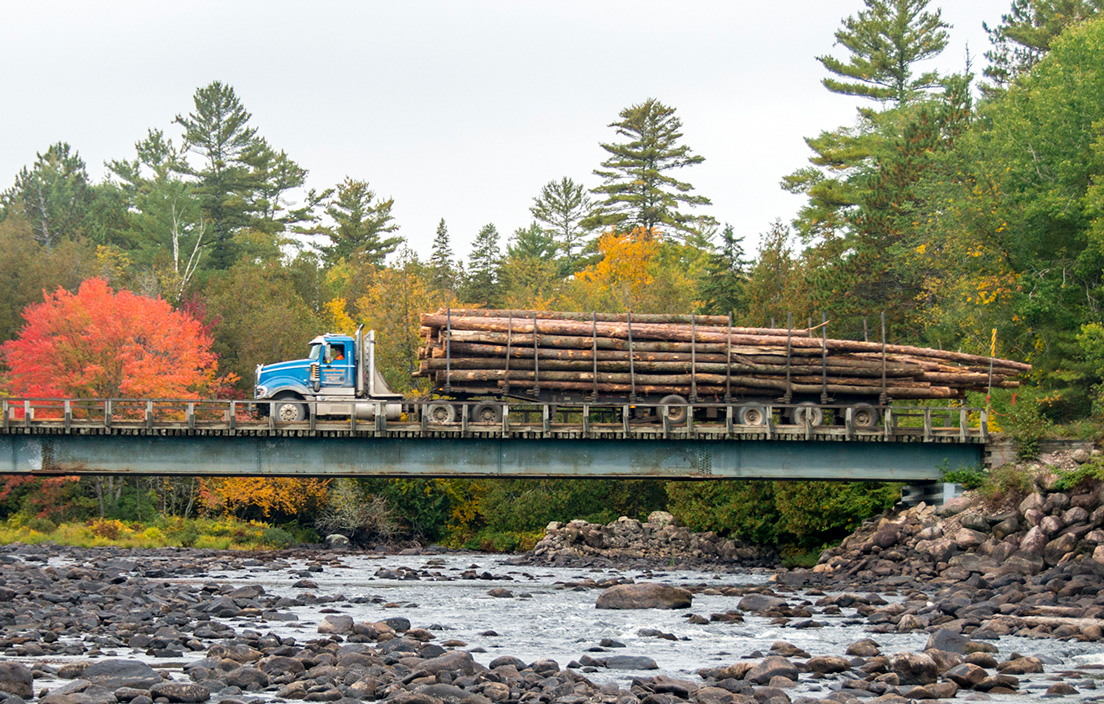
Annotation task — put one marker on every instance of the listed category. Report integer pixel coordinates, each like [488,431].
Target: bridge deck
[200,439]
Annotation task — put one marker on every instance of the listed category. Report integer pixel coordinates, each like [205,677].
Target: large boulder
[770,667]
[914,668]
[114,673]
[16,679]
[646,595]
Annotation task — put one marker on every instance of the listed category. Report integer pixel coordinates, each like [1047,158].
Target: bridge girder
[482,457]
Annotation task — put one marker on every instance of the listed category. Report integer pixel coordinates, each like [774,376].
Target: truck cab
[337,379]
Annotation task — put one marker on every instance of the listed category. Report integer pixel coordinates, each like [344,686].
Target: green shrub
[1012,482]
[277,538]
[968,477]
[40,525]
[1027,426]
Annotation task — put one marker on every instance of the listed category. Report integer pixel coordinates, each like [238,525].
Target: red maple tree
[99,343]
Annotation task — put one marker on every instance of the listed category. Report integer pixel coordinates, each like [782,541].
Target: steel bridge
[232,438]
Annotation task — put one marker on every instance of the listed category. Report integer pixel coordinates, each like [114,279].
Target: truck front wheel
[287,410]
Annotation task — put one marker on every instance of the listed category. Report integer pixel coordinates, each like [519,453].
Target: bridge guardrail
[504,418]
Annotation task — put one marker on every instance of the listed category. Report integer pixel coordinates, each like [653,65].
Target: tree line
[954,203]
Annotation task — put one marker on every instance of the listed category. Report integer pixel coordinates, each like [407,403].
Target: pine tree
[273,175]
[722,288]
[885,42]
[484,263]
[54,194]
[441,265]
[531,242]
[562,207]
[361,223]
[638,188]
[218,130]
[1025,34]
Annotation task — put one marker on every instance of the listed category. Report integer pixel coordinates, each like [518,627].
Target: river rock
[760,602]
[966,675]
[644,595]
[113,674]
[248,678]
[1021,666]
[336,624]
[180,692]
[660,519]
[770,667]
[914,668]
[16,679]
[865,648]
[630,662]
[948,640]
[827,664]
[336,541]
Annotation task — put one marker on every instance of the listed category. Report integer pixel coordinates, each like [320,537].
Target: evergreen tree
[164,213]
[442,268]
[218,130]
[54,194]
[1025,34]
[530,274]
[562,207]
[361,223]
[484,263]
[531,242]
[273,176]
[722,287]
[637,185]
[886,40]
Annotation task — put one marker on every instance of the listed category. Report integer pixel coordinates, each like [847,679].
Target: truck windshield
[315,353]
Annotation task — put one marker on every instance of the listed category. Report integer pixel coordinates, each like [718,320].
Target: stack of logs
[513,351]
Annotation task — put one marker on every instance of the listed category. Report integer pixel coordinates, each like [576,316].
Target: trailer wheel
[752,414]
[677,410]
[440,413]
[807,410]
[864,416]
[287,410]
[486,413]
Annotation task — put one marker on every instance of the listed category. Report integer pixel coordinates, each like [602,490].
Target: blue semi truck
[339,378]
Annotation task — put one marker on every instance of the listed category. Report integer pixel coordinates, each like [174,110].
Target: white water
[562,624]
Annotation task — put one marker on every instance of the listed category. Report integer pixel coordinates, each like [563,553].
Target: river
[548,618]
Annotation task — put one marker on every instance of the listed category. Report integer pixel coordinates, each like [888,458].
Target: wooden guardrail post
[107,413]
[68,414]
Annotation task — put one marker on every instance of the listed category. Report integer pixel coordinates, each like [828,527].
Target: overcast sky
[459,110]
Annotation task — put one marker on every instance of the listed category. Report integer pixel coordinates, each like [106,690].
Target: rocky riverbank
[657,543]
[969,601]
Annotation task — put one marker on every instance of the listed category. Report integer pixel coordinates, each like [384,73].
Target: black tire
[677,410]
[440,413]
[486,413]
[864,416]
[752,414]
[289,410]
[810,409]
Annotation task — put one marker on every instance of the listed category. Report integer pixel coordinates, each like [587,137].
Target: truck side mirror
[328,356]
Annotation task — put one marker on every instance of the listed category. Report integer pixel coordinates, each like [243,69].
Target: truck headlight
[260,392]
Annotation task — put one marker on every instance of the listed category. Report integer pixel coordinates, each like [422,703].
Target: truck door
[336,366]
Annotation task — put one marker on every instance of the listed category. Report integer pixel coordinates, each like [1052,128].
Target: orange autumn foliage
[289,496]
[98,343]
